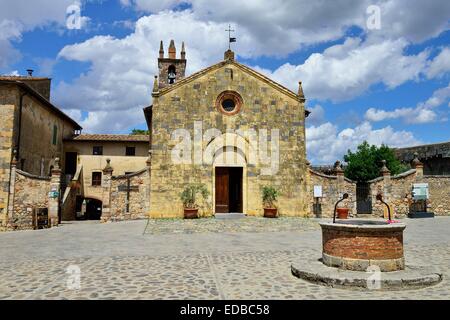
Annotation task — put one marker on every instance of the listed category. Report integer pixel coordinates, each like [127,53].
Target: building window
[97,151]
[55,134]
[229,103]
[96,179]
[130,151]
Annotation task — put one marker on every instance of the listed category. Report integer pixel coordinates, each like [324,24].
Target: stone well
[357,244]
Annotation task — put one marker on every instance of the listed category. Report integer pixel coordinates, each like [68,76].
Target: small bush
[189,195]
[269,196]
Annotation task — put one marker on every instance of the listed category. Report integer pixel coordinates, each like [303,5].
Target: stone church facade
[225,111]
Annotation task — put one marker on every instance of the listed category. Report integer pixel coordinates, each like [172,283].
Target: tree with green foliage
[365,164]
[136,132]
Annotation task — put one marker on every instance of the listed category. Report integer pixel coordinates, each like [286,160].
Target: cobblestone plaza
[247,258]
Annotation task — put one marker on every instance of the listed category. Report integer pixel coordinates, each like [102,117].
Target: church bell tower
[171,69]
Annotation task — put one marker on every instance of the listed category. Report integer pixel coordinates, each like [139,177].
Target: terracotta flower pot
[342,213]
[190,213]
[270,212]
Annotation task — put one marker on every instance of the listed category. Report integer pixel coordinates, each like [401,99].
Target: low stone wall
[439,189]
[333,187]
[397,192]
[138,185]
[30,192]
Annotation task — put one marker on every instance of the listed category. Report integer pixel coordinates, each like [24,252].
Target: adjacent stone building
[435,157]
[88,155]
[33,128]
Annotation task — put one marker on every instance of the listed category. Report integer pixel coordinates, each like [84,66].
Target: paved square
[201,259]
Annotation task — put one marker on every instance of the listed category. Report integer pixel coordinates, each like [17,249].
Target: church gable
[232,68]
[257,100]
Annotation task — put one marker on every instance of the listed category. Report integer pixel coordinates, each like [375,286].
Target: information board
[420,191]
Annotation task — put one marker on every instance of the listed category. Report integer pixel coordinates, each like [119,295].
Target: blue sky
[388,84]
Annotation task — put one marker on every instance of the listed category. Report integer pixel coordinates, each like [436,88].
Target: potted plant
[342,212]
[269,197]
[189,198]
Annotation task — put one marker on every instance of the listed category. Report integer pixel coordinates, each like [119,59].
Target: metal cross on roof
[229,37]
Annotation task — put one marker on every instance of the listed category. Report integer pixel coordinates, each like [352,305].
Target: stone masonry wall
[37,121]
[8,100]
[30,192]
[439,189]
[138,202]
[397,192]
[333,187]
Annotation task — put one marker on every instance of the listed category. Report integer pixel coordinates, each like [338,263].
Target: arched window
[172,74]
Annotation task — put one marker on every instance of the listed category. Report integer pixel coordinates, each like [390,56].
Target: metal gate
[363,198]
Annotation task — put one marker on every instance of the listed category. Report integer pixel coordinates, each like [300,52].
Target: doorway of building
[229,190]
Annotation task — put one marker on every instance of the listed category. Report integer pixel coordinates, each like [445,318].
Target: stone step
[229,216]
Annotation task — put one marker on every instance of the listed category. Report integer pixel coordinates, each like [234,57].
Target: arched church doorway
[229,154]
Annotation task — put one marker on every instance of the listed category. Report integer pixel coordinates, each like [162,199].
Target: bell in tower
[171,69]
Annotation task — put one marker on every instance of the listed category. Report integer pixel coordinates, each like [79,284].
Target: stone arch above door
[229,149]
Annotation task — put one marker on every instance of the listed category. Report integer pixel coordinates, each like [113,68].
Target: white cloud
[153,5]
[14,73]
[347,70]
[31,14]
[326,144]
[19,16]
[422,113]
[121,72]
[10,31]
[317,115]
[440,64]
[281,26]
